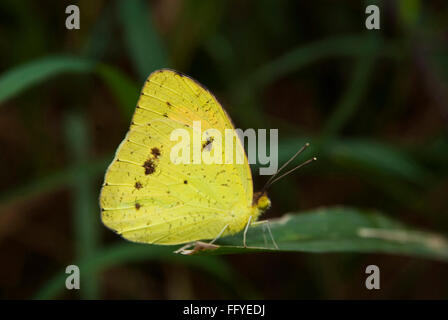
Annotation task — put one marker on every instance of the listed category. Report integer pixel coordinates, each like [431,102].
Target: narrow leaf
[338,229]
[22,77]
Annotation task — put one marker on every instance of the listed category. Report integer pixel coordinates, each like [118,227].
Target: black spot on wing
[155,152]
[149,166]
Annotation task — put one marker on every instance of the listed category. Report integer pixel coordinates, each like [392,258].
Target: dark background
[374,104]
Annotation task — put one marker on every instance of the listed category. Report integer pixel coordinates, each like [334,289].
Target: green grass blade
[350,101]
[141,38]
[357,46]
[53,181]
[85,207]
[339,229]
[296,59]
[377,159]
[22,77]
[100,40]
[124,89]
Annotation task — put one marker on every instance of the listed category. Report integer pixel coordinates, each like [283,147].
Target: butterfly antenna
[294,169]
[274,178]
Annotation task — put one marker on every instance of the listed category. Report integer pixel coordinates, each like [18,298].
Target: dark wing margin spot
[185,182]
[137,205]
[138,185]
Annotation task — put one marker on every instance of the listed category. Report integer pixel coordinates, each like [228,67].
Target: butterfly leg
[188,245]
[265,240]
[268,225]
[220,234]
[245,232]
[198,244]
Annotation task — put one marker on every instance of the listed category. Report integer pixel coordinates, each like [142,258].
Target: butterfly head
[261,201]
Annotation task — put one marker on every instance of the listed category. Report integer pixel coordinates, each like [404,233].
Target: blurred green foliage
[373,104]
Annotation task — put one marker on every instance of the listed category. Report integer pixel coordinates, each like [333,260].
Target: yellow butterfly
[147,198]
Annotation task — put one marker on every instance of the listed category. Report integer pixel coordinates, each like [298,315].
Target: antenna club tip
[307,144]
[314,159]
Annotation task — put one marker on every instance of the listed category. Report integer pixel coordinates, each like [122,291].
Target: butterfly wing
[146,197]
